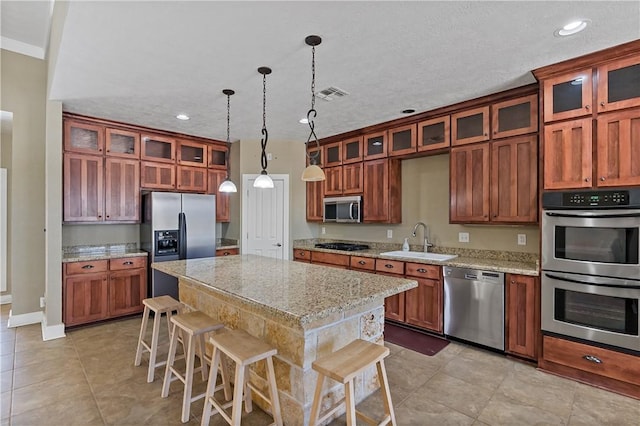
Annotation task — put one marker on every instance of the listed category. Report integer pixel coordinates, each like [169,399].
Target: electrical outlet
[389,233]
[522,239]
[323,230]
[42,302]
[463,237]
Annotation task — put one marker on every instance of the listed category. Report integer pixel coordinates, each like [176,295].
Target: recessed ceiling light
[182,117]
[572,28]
[408,111]
[303,120]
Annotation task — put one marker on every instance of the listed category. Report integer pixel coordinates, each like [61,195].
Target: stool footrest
[371,421]
[330,411]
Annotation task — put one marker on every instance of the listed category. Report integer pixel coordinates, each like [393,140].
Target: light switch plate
[463,237]
[389,233]
[522,239]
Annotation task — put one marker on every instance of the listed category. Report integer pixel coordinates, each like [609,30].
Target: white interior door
[265,218]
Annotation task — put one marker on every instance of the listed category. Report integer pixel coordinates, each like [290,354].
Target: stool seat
[343,366]
[244,350]
[195,323]
[159,305]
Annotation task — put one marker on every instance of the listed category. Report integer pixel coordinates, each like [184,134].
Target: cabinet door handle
[88,267]
[361,262]
[226,253]
[602,178]
[422,270]
[587,107]
[601,104]
[587,179]
[128,262]
[388,265]
[592,358]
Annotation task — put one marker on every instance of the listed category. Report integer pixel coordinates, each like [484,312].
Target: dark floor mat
[414,340]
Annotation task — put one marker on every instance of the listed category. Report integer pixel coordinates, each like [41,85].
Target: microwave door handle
[351,210]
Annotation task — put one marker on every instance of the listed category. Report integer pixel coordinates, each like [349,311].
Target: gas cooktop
[342,246]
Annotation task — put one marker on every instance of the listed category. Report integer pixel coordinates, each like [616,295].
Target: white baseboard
[24,319]
[5,299]
[50,332]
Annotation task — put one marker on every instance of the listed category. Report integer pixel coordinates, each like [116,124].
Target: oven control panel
[600,198]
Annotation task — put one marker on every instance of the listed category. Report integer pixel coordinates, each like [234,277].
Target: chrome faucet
[425,231]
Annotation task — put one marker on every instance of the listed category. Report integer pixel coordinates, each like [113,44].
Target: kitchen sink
[419,255]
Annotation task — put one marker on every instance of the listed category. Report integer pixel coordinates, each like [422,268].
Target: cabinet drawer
[612,364]
[127,263]
[227,252]
[390,266]
[88,267]
[420,270]
[367,263]
[330,258]
[303,255]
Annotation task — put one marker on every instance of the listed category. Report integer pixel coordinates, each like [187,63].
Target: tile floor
[88,378]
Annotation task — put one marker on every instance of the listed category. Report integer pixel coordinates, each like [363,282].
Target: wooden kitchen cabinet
[514,180]
[434,134]
[359,263]
[83,188]
[157,175]
[127,290]
[470,126]
[567,154]
[122,190]
[216,177]
[394,306]
[227,252]
[217,156]
[619,84]
[382,194]
[85,298]
[403,140]
[352,150]
[515,117]
[469,182]
[333,181]
[568,95]
[301,255]
[83,137]
[618,149]
[424,304]
[522,320]
[315,205]
[192,179]
[192,154]
[330,259]
[158,148]
[352,178]
[122,143]
[375,145]
[332,154]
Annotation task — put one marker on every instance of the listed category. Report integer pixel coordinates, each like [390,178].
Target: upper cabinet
[469,176]
[332,154]
[80,136]
[122,143]
[402,140]
[352,150]
[375,145]
[619,84]
[515,117]
[192,154]
[382,192]
[158,148]
[567,154]
[618,149]
[470,126]
[434,134]
[568,95]
[217,156]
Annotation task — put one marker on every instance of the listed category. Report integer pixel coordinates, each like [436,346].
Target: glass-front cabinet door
[434,134]
[402,140]
[192,154]
[83,137]
[568,96]
[314,156]
[332,154]
[122,143]
[158,148]
[217,156]
[470,126]
[375,145]
[352,150]
[515,117]
[619,84]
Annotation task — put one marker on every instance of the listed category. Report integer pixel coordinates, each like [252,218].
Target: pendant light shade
[227,185]
[264,180]
[313,172]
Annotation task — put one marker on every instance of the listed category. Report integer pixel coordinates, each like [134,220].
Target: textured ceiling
[25,26]
[144,62]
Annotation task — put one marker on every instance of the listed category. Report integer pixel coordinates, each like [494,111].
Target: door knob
[278,245]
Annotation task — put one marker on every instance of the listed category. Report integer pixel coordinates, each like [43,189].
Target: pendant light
[313,172]
[227,185]
[264,180]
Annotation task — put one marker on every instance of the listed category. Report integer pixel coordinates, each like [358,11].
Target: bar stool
[193,325]
[343,366]
[245,350]
[159,305]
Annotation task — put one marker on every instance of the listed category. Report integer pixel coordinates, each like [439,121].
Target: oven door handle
[593,215]
[575,281]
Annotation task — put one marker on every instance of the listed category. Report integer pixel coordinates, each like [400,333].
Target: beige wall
[5,163]
[80,235]
[23,92]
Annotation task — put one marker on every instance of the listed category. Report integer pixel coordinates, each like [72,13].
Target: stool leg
[211,386]
[248,402]
[273,393]
[154,346]
[143,328]
[317,401]
[188,378]
[170,360]
[224,368]
[350,403]
[386,394]
[202,353]
[236,412]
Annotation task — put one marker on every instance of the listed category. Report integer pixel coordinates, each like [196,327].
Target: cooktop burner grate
[342,246]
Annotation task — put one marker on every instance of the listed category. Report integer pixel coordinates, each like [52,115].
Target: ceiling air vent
[331,93]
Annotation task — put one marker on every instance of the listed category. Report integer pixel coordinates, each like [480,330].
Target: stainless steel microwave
[342,209]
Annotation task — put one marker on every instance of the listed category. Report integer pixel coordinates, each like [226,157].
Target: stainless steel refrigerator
[176,226]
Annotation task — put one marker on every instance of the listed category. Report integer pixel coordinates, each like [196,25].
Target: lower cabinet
[423,304]
[522,320]
[394,306]
[227,252]
[103,289]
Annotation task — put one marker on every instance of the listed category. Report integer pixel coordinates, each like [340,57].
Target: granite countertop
[296,292]
[100,252]
[509,262]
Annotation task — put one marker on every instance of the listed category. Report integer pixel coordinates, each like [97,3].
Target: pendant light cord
[312,113]
[263,141]
[226,154]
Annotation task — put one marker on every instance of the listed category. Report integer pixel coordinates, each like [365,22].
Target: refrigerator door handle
[182,236]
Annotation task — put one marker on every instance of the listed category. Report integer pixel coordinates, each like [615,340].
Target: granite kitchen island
[306,311]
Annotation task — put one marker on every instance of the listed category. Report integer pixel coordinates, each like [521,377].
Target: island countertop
[298,293]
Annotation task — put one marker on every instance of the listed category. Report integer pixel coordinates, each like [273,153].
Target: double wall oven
[591,266]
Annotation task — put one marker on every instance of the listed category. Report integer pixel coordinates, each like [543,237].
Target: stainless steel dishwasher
[474,306]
